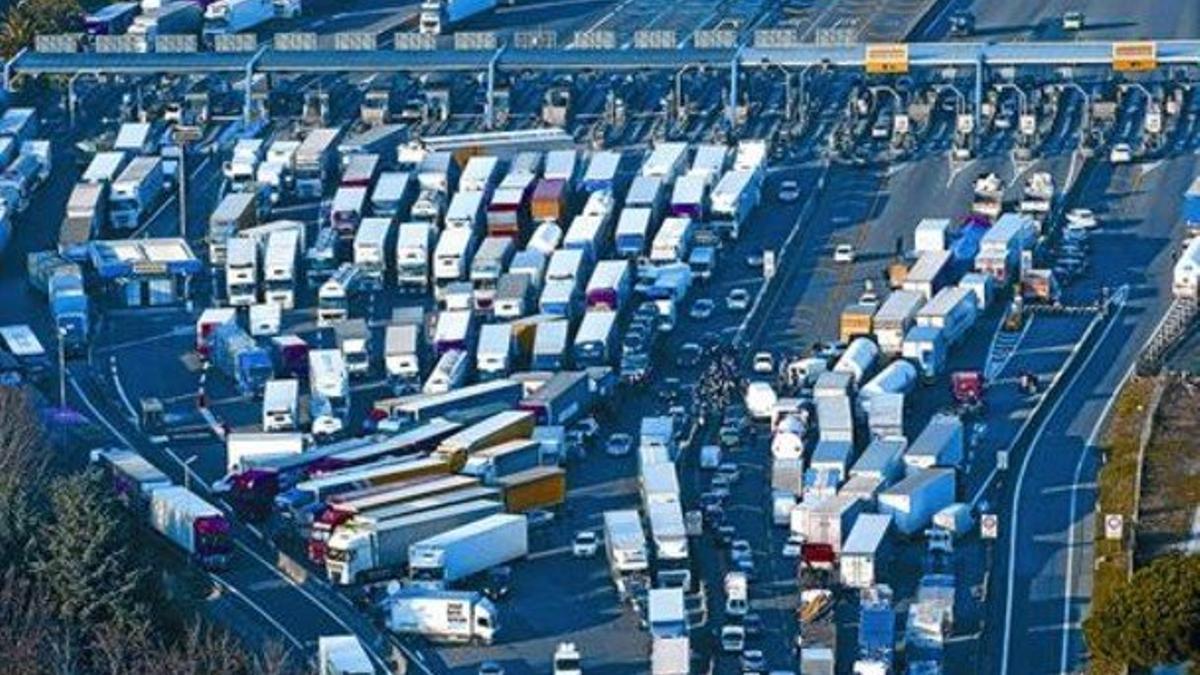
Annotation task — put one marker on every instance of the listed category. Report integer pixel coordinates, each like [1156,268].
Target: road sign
[238,42]
[354,42]
[117,44]
[715,39]
[886,59]
[535,39]
[1114,526]
[775,37]
[415,42]
[176,44]
[475,41]
[66,43]
[989,526]
[296,42]
[654,39]
[595,39]
[1134,57]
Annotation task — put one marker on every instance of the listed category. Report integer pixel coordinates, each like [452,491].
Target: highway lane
[1050,587]
[1104,19]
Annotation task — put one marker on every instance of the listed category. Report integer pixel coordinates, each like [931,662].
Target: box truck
[135,192]
[194,525]
[458,554]
[443,616]
[913,501]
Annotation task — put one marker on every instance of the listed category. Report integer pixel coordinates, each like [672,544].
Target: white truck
[940,443]
[333,297]
[191,523]
[490,261]
[414,246]
[354,340]
[370,250]
[625,543]
[343,655]
[443,616]
[393,194]
[242,166]
[451,259]
[241,272]
[733,200]
[135,192]
[458,554]
[667,615]
[894,317]
[314,162]
[494,353]
[329,386]
[276,172]
[673,241]
[363,550]
[279,268]
[280,411]
[245,449]
[953,310]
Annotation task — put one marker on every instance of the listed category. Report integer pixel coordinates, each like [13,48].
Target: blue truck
[241,359]
[62,282]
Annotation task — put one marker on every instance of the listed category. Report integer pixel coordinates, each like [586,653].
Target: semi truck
[343,655]
[237,211]
[329,387]
[380,550]
[733,200]
[633,232]
[132,477]
[540,487]
[443,616]
[371,246]
[85,216]
[315,160]
[241,272]
[502,460]
[135,192]
[458,554]
[280,260]
[194,525]
[241,359]
[414,247]
[565,397]
[169,18]
[393,194]
[894,317]
[953,310]
[70,308]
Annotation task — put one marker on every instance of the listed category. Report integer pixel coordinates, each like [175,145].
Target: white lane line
[253,605]
[116,376]
[1033,443]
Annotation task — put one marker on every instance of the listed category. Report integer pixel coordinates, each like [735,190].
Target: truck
[562,165]
[562,399]
[343,655]
[625,544]
[550,345]
[241,359]
[335,295]
[497,394]
[894,317]
[84,218]
[601,173]
[371,244]
[132,477]
[354,340]
[561,298]
[931,272]
[668,531]
[280,410]
[913,501]
[953,310]
[393,194]
[414,245]
[241,272]
[362,551]
[346,210]
[279,268]
[610,285]
[856,320]
[490,261]
[1185,279]
[633,231]
[443,616]
[666,161]
[671,656]
[243,163]
[666,613]
[135,192]
[673,241]
[243,449]
[493,430]
[438,16]
[458,554]
[927,348]
[826,521]
[502,460]
[733,200]
[689,199]
[481,174]
[276,174]
[329,386]
[438,171]
[550,202]
[864,551]
[858,360]
[508,211]
[494,352]
[192,524]
[112,19]
[70,309]
[588,233]
[235,212]
[658,432]
[170,18]
[315,161]
[1001,246]
[596,340]
[541,487]
[360,169]
[451,259]
[940,443]
[648,192]
[931,235]
[514,296]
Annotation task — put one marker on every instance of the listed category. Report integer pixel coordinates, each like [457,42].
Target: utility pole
[62,368]
[183,135]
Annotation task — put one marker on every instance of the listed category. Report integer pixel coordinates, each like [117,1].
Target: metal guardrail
[1176,323]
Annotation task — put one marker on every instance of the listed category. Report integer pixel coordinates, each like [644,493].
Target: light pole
[187,472]
[62,368]
[182,136]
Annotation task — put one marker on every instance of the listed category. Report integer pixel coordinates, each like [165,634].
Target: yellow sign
[887,59]
[1134,56]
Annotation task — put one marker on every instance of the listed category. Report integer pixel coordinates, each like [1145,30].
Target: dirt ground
[1169,515]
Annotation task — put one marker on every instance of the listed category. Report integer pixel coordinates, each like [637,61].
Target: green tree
[23,464]
[1154,619]
[85,563]
[28,18]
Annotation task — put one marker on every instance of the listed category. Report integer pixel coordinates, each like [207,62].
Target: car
[730,471]
[499,582]
[733,638]
[1072,21]
[740,549]
[539,518]
[738,300]
[720,481]
[793,547]
[754,260]
[585,545]
[1081,219]
[753,660]
[789,191]
[1121,153]
[688,355]
[764,363]
[962,23]
[619,445]
[843,253]
[491,668]
[701,309]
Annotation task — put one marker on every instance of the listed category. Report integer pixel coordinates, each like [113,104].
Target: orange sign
[1134,56]
[887,59]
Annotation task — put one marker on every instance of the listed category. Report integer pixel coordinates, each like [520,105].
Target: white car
[764,363]
[844,253]
[789,191]
[585,545]
[1072,21]
[1121,153]
[738,300]
[1081,219]
[733,638]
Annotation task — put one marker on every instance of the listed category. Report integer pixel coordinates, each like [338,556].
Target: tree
[85,564]
[1152,620]
[28,18]
[23,463]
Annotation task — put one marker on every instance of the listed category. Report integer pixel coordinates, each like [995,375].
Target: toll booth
[144,272]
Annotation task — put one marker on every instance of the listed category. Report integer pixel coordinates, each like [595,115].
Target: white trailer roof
[603,166]
[644,191]
[665,160]
[464,204]
[104,167]
[689,190]
[372,232]
[634,221]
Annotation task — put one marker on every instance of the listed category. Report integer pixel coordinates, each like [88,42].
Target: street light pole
[62,368]
[182,179]
[187,472]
